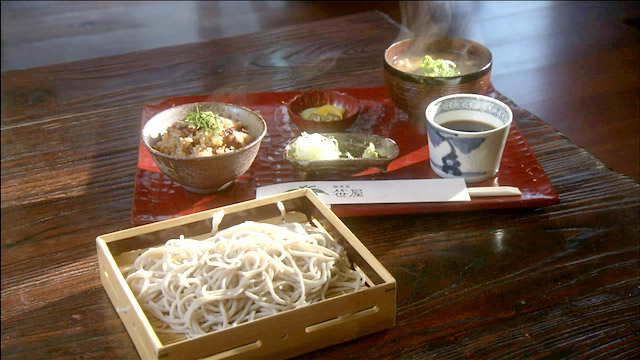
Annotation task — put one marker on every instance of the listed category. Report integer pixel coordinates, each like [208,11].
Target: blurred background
[571,63]
[36,33]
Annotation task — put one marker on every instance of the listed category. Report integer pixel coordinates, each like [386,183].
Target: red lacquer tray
[157,197]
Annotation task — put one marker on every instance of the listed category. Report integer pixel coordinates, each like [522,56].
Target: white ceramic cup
[472,155]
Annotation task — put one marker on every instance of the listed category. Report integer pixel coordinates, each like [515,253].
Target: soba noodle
[241,273]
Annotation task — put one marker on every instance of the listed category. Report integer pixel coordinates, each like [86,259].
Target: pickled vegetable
[323,113]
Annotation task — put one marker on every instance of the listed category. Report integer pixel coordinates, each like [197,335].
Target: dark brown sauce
[467,125]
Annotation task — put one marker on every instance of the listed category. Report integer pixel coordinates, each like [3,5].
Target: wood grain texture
[573,63]
[559,282]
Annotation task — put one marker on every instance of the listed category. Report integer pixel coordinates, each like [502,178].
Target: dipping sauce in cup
[467,134]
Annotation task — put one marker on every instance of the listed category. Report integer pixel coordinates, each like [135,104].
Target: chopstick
[494,191]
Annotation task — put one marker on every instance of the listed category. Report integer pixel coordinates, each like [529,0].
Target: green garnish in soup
[426,65]
[439,67]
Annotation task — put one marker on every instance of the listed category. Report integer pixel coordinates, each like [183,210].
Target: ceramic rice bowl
[211,173]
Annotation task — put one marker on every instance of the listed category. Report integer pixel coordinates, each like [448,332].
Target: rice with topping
[185,139]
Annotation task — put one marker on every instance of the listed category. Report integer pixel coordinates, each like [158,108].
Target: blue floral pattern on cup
[450,163]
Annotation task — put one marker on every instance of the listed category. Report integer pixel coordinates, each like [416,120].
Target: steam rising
[429,19]
[434,19]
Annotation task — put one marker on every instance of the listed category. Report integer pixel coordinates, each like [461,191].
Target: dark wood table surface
[554,282]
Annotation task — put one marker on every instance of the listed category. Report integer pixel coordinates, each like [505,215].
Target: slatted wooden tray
[282,335]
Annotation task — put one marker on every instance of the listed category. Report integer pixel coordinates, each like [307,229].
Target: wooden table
[560,281]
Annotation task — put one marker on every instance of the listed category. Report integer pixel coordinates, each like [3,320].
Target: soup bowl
[412,91]
[205,174]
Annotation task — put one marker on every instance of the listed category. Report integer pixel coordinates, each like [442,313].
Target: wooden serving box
[283,335]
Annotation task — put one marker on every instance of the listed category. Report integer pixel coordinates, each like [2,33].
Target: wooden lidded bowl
[317,98]
[412,93]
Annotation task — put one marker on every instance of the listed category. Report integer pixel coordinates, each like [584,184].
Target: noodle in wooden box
[284,304]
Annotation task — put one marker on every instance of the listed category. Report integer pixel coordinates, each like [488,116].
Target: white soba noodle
[241,273]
